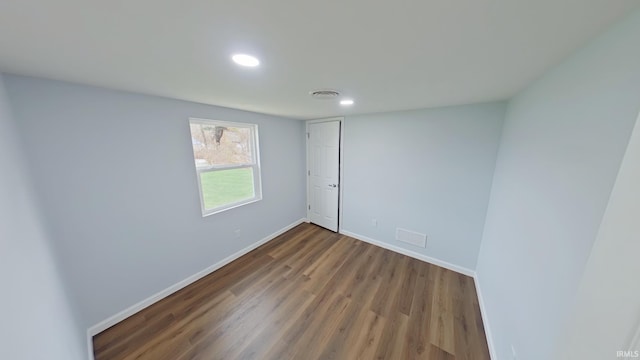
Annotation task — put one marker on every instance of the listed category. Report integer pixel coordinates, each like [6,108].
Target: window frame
[255,166]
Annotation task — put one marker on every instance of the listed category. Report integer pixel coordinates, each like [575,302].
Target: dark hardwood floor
[310,294]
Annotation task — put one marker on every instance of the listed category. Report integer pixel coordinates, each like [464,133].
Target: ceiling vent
[324,94]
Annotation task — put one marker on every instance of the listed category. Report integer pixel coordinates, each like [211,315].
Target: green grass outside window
[226,187]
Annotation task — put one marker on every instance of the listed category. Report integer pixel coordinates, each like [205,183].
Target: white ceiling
[387,55]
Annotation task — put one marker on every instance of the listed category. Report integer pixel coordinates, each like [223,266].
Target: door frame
[340,167]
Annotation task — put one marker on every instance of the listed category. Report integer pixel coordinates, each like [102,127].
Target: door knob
[332,185]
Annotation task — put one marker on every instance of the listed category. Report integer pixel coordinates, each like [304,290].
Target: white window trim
[255,153]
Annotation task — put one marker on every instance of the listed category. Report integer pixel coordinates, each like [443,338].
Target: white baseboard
[107,323]
[485,319]
[90,346]
[459,269]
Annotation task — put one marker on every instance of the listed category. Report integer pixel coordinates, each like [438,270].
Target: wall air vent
[324,94]
[411,237]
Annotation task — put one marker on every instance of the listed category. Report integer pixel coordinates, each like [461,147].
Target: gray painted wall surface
[426,170]
[37,320]
[561,148]
[607,311]
[115,174]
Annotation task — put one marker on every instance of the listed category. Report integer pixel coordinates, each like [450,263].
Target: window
[227,162]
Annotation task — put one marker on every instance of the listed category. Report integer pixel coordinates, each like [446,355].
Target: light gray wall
[607,310]
[37,320]
[562,144]
[426,170]
[115,174]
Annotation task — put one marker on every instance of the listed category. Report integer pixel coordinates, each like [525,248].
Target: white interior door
[324,173]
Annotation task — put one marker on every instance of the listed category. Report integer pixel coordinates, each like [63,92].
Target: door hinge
[309,207]
[308,136]
[308,172]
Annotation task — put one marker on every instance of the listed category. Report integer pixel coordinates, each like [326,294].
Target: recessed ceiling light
[346,102]
[246,60]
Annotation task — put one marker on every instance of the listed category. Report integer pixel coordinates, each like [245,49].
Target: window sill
[206,213]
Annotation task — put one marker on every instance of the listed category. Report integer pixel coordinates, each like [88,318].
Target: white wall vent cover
[411,237]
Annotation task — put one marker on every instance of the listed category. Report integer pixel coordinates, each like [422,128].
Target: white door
[323,146]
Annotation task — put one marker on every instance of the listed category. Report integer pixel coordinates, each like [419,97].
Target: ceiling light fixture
[346,102]
[245,60]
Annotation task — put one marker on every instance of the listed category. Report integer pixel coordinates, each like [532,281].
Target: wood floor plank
[351,321]
[408,286]
[311,330]
[175,341]
[338,246]
[436,353]
[330,266]
[212,338]
[442,319]
[309,294]
[273,331]
[302,260]
[388,295]
[314,339]
[366,341]
[393,340]
[475,337]
[418,336]
[239,334]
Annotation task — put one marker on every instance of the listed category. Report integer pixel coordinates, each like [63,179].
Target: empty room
[441,180]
